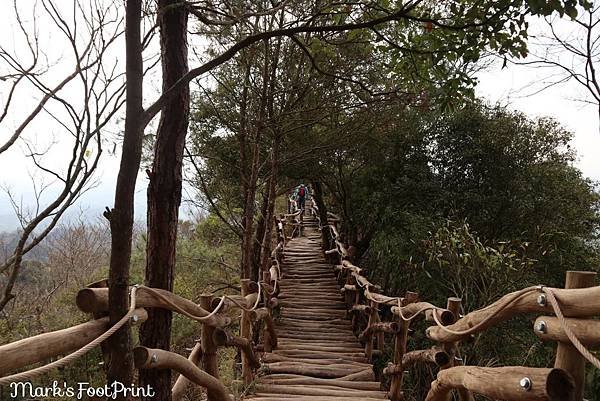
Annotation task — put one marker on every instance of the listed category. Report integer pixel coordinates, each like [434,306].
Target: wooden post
[380,336]
[148,358]
[267,300]
[350,290]
[355,315]
[369,339]
[98,315]
[400,340]
[280,222]
[266,277]
[209,348]
[454,305]
[182,382]
[567,357]
[246,332]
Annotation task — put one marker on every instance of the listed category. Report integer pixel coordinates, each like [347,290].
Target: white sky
[504,86]
[516,86]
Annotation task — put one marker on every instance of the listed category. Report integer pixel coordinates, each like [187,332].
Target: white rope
[33,373]
[36,372]
[572,337]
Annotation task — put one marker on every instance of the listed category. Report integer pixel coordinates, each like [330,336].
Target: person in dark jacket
[301,196]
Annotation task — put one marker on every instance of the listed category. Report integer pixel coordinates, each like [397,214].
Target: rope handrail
[36,372]
[263,294]
[481,323]
[565,326]
[365,285]
[476,328]
[286,215]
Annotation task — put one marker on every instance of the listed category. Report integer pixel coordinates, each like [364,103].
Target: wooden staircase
[318,357]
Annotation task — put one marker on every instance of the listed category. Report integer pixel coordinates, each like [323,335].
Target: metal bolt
[154,358]
[541,300]
[525,383]
[541,326]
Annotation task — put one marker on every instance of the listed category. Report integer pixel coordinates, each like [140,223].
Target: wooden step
[318,357]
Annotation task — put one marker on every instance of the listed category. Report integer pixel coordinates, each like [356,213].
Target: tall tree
[164,189]
[121,215]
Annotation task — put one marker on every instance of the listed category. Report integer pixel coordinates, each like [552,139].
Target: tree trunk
[266,240]
[252,179]
[248,220]
[121,216]
[164,190]
[261,227]
[318,198]
[244,180]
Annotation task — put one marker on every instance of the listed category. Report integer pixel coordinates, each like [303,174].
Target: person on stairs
[302,192]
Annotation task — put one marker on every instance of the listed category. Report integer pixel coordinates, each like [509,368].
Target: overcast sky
[519,87]
[507,86]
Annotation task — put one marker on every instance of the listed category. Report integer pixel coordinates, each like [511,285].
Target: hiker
[301,196]
[292,204]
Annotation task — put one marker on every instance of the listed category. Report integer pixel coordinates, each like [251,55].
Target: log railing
[256,304]
[565,317]
[563,382]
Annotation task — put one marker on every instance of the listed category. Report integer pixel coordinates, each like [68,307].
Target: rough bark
[252,179]
[244,180]
[164,189]
[265,256]
[121,216]
[248,224]
[261,227]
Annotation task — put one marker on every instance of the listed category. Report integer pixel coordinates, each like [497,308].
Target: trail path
[318,357]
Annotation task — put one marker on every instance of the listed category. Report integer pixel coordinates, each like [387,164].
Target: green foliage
[473,203]
[487,159]
[509,176]
[425,58]
[208,260]
[568,7]
[454,261]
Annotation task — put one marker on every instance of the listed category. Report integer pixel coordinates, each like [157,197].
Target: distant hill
[8,242]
